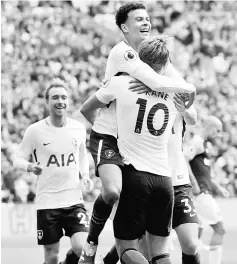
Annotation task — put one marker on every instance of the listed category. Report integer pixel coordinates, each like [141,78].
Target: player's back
[144,125]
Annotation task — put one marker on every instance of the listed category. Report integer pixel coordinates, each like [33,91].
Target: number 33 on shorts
[189,208]
[84,219]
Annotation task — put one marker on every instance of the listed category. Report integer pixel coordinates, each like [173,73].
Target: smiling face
[137,26]
[58,101]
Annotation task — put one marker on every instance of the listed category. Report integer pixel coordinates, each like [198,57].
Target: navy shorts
[184,210]
[146,204]
[52,223]
[104,150]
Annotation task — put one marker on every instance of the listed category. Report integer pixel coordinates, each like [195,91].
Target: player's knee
[190,248]
[77,249]
[112,196]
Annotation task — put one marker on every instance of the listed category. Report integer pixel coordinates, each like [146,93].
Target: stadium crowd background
[72,39]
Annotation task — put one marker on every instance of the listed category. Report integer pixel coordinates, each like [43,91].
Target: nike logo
[191,215]
[45,144]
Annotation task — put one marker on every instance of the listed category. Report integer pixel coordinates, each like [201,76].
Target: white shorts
[207,209]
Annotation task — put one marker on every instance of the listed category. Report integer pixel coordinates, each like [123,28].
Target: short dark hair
[154,52]
[56,82]
[122,13]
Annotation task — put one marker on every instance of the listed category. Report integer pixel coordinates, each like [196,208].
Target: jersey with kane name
[144,125]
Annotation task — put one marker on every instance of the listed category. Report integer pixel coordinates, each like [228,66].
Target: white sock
[215,254]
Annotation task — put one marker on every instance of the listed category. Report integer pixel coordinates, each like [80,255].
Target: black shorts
[184,210]
[146,204]
[52,222]
[104,150]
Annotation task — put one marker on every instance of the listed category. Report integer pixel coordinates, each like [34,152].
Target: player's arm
[99,99]
[219,189]
[189,114]
[144,73]
[90,107]
[22,155]
[84,165]
[83,158]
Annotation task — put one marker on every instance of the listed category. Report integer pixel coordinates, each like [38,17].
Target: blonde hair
[154,52]
[55,82]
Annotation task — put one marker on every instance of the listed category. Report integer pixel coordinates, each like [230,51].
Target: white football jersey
[58,149]
[180,174]
[122,58]
[144,125]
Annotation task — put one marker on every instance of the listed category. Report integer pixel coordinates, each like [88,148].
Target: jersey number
[153,110]
[188,208]
[84,219]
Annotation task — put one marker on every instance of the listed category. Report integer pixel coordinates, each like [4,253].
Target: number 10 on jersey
[141,113]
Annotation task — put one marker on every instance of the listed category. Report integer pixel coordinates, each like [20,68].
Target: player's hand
[179,102]
[87,184]
[36,168]
[223,192]
[189,99]
[196,190]
[138,87]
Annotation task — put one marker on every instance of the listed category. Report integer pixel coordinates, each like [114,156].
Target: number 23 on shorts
[84,219]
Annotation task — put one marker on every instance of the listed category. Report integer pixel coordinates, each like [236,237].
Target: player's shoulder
[123,50]
[121,46]
[39,124]
[121,81]
[76,124]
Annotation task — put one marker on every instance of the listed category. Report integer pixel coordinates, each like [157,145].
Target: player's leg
[209,213]
[129,221]
[49,232]
[51,253]
[158,249]
[143,247]
[159,219]
[128,253]
[75,221]
[215,254]
[111,179]
[188,239]
[112,256]
[107,160]
[185,223]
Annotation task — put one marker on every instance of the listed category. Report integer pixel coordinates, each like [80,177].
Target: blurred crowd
[72,40]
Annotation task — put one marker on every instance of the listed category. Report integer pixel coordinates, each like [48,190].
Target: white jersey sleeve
[25,150]
[109,92]
[123,58]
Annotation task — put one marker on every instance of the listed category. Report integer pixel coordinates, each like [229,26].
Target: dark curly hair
[122,13]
